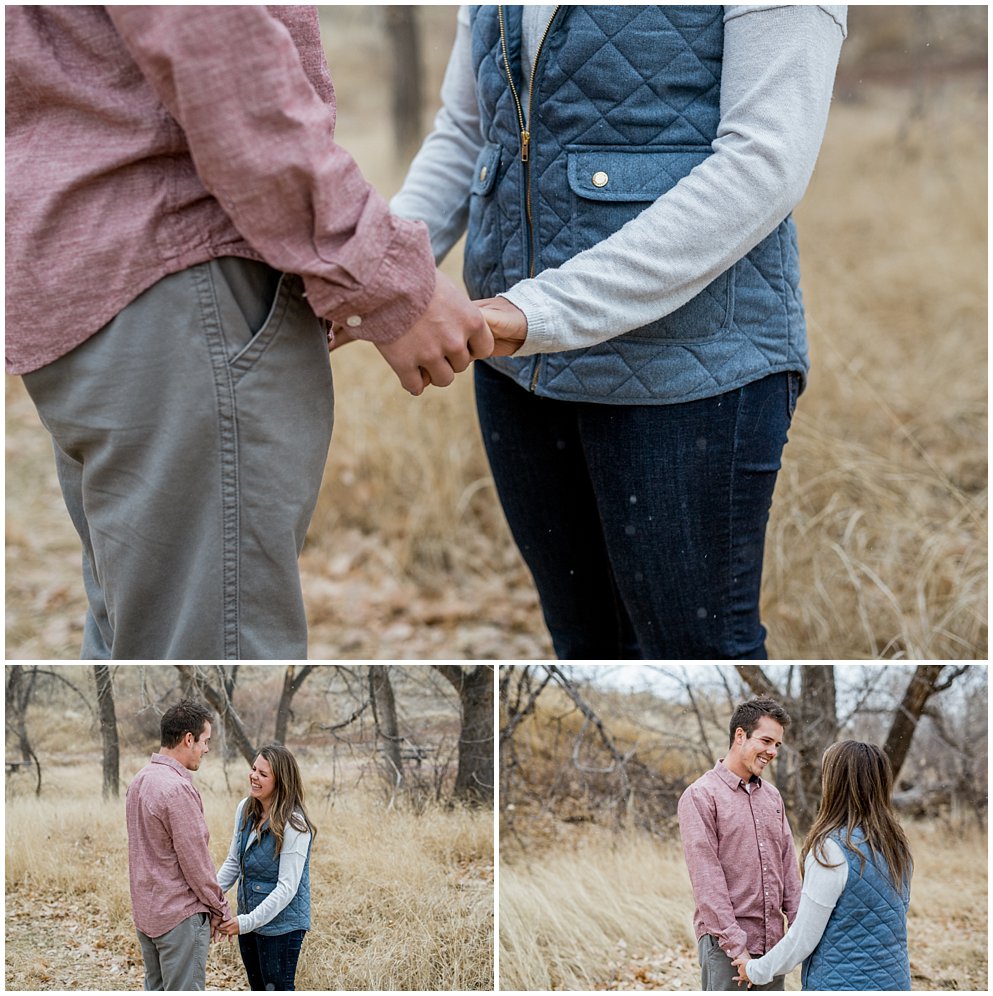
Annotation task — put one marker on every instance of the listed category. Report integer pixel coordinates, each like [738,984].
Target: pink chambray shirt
[741,860]
[169,864]
[143,140]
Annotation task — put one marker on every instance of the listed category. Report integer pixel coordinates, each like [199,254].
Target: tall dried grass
[400,901]
[564,915]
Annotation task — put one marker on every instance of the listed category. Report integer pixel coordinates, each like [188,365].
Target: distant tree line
[371,688]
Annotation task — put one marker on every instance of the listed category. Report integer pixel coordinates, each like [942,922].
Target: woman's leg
[278,956]
[537,459]
[684,493]
[250,958]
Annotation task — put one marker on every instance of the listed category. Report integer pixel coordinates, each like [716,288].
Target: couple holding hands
[182,227]
[178,902]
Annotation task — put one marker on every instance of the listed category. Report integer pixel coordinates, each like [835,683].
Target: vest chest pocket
[609,188]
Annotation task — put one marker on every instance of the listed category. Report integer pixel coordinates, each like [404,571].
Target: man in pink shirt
[181,231]
[739,849]
[175,898]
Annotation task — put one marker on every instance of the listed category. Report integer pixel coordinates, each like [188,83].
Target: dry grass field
[877,544]
[611,912]
[400,901]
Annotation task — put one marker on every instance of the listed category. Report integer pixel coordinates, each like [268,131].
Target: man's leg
[717,973]
[150,957]
[191,434]
[183,954]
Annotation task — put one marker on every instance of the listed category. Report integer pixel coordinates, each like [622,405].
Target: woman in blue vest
[850,931]
[269,858]
[626,176]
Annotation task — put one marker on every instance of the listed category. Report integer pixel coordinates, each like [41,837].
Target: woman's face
[261,782]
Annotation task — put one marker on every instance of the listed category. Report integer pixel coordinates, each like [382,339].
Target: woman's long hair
[287,800]
[856,789]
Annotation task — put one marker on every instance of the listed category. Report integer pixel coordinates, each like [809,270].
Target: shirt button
[353,321]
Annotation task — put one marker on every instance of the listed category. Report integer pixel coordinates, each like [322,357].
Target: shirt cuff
[393,299]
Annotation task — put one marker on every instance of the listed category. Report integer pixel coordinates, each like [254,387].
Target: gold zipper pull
[525,142]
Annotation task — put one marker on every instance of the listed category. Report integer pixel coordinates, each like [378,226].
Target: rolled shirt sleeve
[262,141]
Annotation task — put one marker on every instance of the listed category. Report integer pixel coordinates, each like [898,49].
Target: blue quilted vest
[259,874]
[625,102]
[864,945]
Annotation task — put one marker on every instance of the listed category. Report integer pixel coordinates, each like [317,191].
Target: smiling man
[175,898]
[739,848]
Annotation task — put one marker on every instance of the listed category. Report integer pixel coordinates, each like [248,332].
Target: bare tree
[384,710]
[474,779]
[19,689]
[108,731]
[925,683]
[292,680]
[220,700]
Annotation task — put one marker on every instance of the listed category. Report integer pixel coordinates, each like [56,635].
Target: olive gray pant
[177,961]
[191,435]
[717,973]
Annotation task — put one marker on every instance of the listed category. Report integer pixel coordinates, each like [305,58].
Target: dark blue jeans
[271,961]
[643,525]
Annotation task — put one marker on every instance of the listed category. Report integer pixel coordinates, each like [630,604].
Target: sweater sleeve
[228,873]
[436,188]
[777,78]
[822,888]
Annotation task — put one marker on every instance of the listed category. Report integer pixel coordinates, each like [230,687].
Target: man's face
[755,752]
[195,749]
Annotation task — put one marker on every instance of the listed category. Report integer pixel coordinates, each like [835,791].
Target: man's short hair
[184,717]
[748,714]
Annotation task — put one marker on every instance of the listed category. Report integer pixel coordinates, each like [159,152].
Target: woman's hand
[740,963]
[507,322]
[230,927]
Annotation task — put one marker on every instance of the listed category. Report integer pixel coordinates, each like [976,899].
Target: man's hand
[740,962]
[443,341]
[229,928]
[507,322]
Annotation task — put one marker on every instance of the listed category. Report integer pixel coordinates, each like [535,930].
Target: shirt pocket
[485,234]
[610,187]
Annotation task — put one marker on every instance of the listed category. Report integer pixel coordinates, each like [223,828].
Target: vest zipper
[526,137]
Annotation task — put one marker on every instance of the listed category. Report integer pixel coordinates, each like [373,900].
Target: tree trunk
[922,686]
[815,728]
[384,711]
[19,687]
[292,680]
[405,50]
[474,780]
[108,731]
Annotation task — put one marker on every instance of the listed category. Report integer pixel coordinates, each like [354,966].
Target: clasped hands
[452,333]
[223,929]
[739,963]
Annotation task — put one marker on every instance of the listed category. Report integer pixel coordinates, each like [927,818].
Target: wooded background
[323,708]
[576,747]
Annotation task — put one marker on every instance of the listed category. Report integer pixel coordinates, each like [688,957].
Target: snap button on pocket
[600,179]
[483,174]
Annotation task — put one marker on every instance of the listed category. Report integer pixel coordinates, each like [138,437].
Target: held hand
[443,341]
[507,322]
[740,964]
[230,928]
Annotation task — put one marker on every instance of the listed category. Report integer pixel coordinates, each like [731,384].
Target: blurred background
[877,544]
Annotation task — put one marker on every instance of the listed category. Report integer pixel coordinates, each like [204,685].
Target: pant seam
[227,423]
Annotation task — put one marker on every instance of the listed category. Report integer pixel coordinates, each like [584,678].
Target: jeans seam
[227,418]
